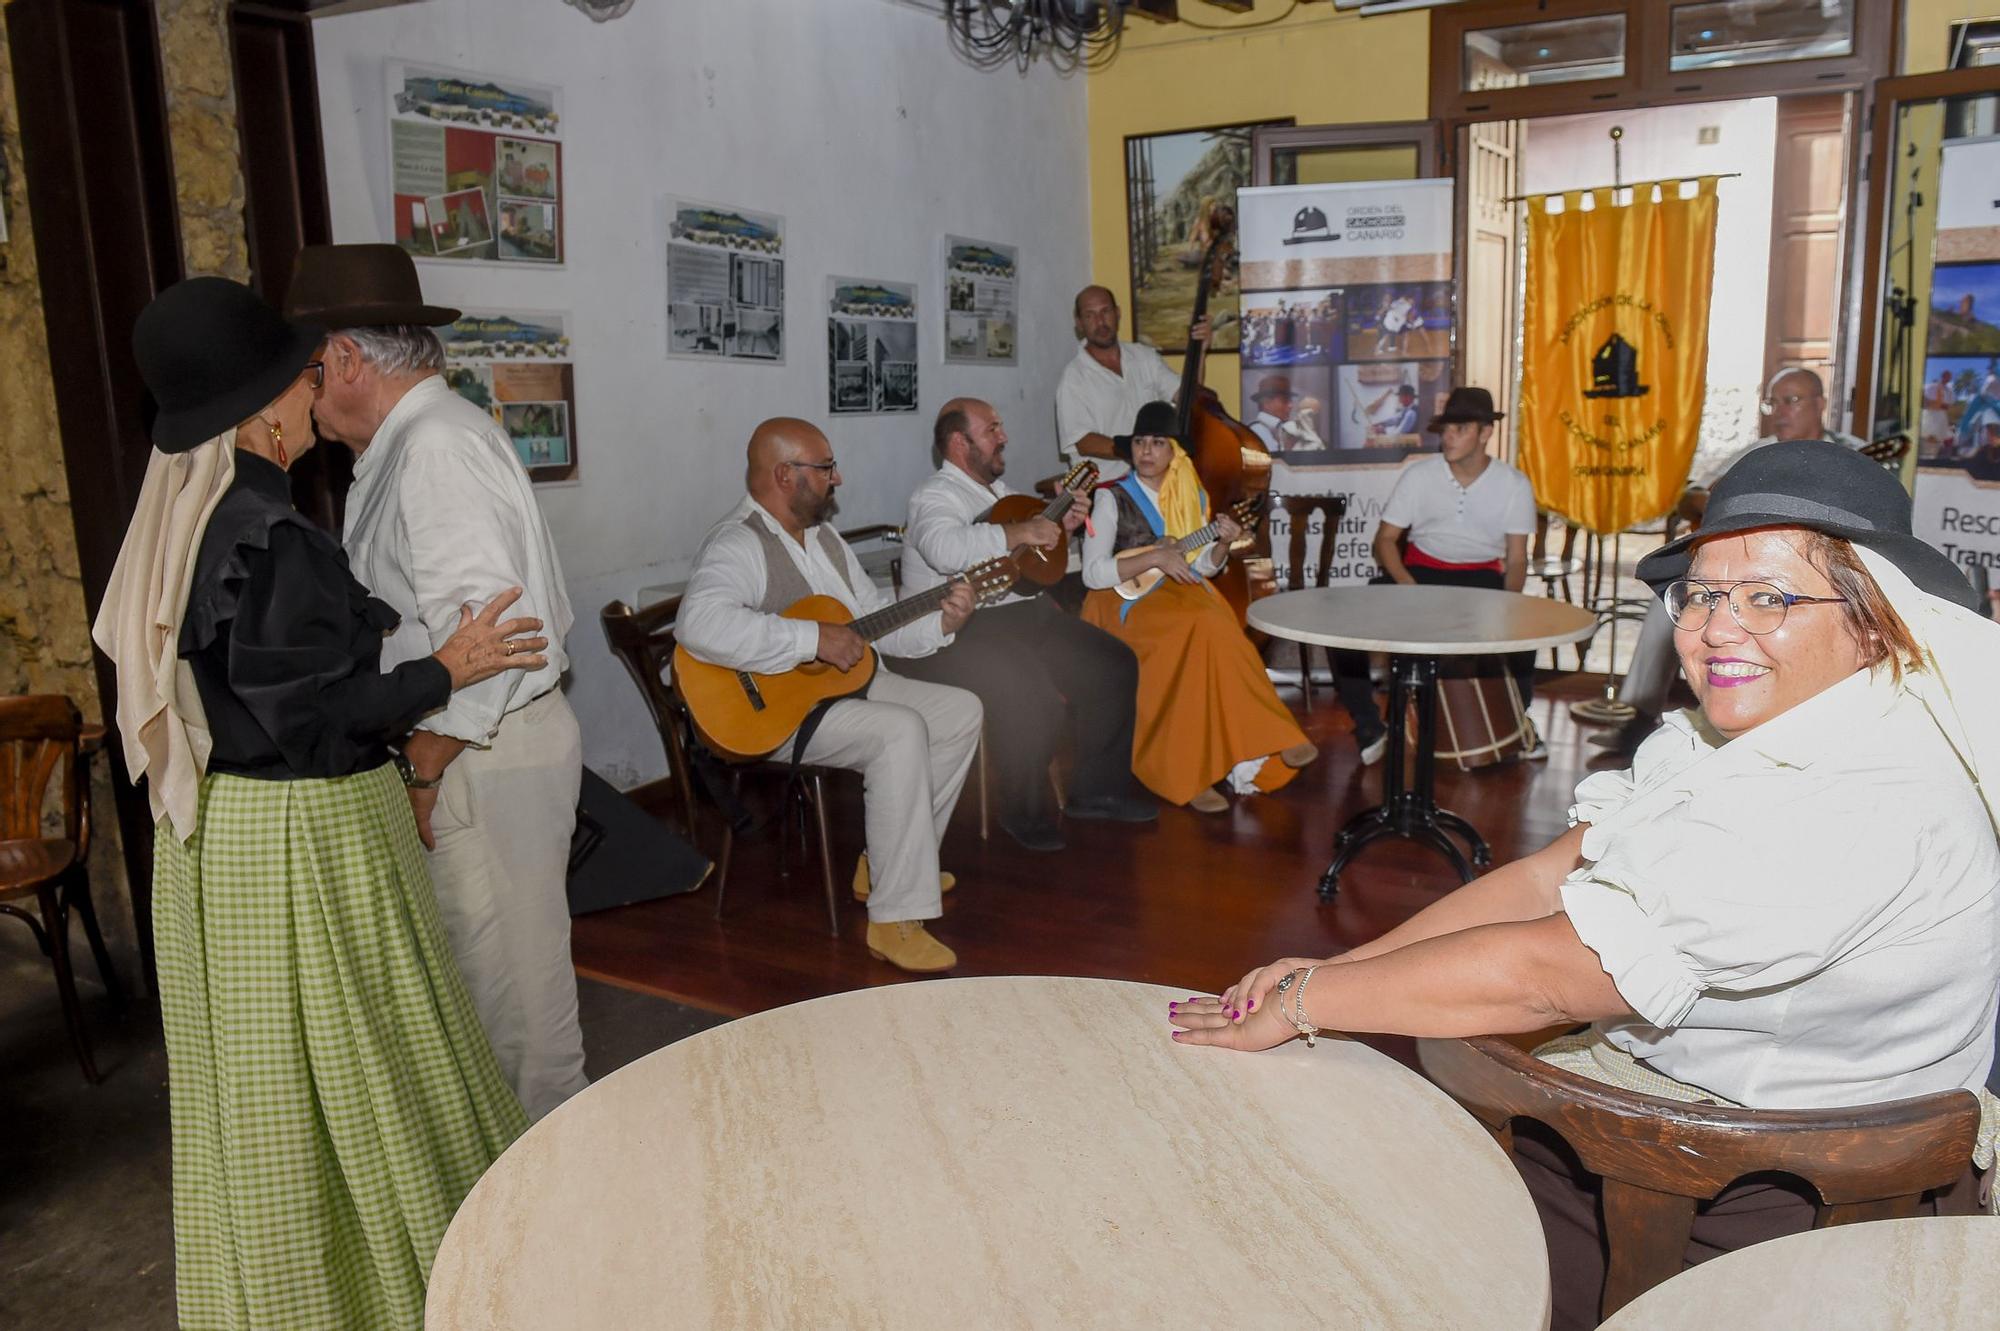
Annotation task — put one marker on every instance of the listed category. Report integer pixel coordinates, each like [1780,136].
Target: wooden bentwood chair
[42,740]
[1299,510]
[644,641]
[1658,1158]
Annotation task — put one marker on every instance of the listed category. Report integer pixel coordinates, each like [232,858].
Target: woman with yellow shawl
[1206,709]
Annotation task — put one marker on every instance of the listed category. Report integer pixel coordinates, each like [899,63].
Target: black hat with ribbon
[1465,404]
[213,354]
[1155,420]
[1824,487]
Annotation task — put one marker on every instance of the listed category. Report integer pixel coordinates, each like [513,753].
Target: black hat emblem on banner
[1309,225]
[1614,370]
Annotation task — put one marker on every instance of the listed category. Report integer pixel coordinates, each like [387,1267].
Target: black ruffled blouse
[286,647]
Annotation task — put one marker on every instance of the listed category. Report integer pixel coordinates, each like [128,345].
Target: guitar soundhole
[750,690]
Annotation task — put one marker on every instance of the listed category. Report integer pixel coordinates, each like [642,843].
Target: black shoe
[1113,808]
[1036,834]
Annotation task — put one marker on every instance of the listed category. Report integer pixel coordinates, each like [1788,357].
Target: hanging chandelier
[1070,32]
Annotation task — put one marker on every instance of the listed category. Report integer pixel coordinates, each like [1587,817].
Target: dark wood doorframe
[285,203]
[107,238]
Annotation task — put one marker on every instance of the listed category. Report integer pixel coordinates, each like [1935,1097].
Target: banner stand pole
[1607,710]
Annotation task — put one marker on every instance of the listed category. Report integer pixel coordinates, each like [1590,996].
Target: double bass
[1232,462]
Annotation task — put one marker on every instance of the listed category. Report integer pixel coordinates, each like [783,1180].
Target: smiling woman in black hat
[1792,898]
[332,1095]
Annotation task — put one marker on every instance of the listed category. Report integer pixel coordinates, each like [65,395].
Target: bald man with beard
[912,742]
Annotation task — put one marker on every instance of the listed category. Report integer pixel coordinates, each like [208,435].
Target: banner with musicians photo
[1615,348]
[1958,446]
[1347,313]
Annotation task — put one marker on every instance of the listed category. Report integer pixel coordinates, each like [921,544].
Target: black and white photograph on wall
[725,282]
[981,281]
[871,346]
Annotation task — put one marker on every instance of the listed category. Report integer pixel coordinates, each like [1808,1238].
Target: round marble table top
[1421,621]
[1005,1152]
[1938,1273]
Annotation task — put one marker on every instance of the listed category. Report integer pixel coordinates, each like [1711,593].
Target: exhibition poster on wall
[981,284]
[871,346]
[1347,311]
[725,282]
[476,168]
[1958,448]
[515,365]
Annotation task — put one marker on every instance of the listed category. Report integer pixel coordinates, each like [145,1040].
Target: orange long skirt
[1205,703]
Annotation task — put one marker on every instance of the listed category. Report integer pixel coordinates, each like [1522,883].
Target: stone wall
[44,631]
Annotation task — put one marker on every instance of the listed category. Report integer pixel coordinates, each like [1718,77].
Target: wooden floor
[1193,901]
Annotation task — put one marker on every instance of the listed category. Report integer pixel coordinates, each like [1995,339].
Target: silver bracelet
[1304,1027]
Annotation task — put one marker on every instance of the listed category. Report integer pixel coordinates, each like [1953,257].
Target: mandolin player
[1038,670]
[912,741]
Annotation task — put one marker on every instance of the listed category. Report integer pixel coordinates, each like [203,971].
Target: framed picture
[1172,181]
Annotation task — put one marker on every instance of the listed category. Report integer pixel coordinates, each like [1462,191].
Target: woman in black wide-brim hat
[333,1097]
[1792,898]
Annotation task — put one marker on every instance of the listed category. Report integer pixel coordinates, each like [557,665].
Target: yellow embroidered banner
[1615,350]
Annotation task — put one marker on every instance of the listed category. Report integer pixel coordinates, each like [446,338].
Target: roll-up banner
[1348,308]
[1958,446]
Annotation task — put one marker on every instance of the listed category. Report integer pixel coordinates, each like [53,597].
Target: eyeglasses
[1771,404]
[1759,607]
[317,368]
[816,466]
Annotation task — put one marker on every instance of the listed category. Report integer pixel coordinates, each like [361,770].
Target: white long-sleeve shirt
[1100,555]
[442,514]
[720,620]
[1092,400]
[943,535]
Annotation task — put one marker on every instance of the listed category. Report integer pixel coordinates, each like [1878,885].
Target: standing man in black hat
[442,514]
[1467,517]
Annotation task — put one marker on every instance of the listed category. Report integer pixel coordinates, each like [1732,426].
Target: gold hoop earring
[277,433]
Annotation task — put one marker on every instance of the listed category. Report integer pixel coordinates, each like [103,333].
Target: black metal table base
[1410,812]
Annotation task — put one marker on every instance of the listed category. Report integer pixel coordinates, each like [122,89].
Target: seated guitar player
[1039,671]
[913,742]
[1207,711]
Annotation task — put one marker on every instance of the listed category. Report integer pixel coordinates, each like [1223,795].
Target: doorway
[1780,236]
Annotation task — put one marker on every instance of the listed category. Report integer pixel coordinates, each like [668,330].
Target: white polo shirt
[1461,524]
[1092,400]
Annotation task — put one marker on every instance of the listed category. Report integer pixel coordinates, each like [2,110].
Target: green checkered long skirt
[333,1096]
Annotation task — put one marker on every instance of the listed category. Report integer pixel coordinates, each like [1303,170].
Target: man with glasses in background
[912,741]
[1794,407]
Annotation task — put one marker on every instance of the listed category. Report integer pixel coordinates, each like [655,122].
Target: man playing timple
[1468,516]
[1103,388]
[1273,400]
[1795,406]
[441,514]
[1038,670]
[912,742]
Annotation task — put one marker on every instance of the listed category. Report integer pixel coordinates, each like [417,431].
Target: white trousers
[1654,663]
[913,744]
[502,824]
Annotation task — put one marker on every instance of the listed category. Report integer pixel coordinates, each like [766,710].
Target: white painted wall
[1661,143]
[853,120]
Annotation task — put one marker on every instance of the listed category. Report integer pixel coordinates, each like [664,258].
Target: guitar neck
[1059,507]
[1196,539]
[897,614]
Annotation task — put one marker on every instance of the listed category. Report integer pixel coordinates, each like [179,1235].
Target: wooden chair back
[40,742]
[1658,1158]
[644,641]
[1299,510]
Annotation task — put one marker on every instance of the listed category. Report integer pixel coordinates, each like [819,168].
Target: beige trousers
[502,824]
[913,744]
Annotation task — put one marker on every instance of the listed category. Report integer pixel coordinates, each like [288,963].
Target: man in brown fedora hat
[442,513]
[1273,400]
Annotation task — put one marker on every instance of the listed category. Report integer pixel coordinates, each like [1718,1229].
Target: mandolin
[746,715]
[1247,512]
[1048,566]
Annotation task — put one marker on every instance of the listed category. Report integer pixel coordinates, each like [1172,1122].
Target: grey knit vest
[784,585]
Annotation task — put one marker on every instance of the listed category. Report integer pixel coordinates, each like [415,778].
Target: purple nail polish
[1253,1005]
[1235,1014]
[1173,1007]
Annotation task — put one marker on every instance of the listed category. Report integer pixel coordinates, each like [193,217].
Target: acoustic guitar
[746,715]
[1247,512]
[1047,567]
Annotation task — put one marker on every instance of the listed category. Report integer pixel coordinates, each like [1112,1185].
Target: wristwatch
[408,771]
